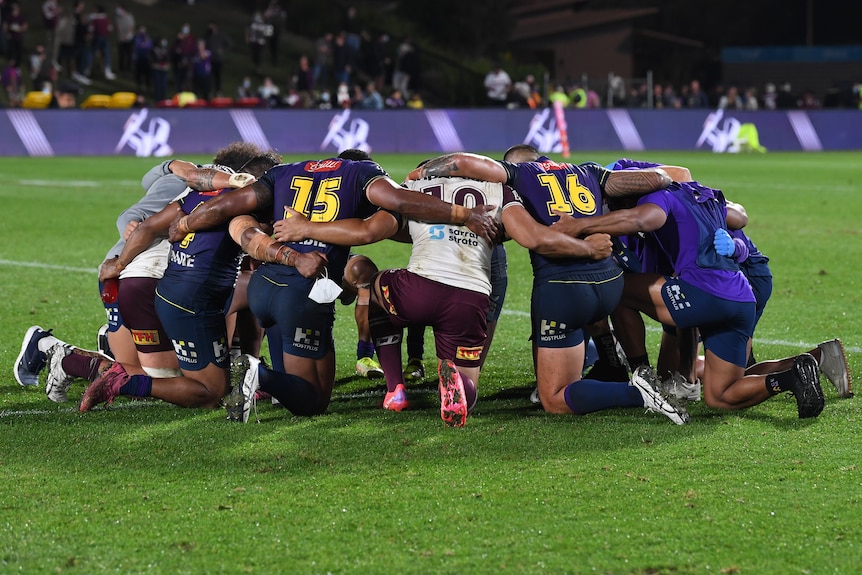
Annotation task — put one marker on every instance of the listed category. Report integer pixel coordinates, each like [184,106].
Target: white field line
[757,340]
[74,183]
[512,312]
[48,266]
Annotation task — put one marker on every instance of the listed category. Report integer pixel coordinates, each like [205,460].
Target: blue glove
[723,243]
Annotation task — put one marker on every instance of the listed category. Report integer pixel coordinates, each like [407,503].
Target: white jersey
[150,263]
[452,254]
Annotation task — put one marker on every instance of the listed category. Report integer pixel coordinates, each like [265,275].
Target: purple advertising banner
[165,132]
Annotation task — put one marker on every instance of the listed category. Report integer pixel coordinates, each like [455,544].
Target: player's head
[236,154]
[354,154]
[521,153]
[258,165]
[359,272]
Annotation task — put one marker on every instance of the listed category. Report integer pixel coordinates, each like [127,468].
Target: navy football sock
[588,395]
[137,386]
[294,392]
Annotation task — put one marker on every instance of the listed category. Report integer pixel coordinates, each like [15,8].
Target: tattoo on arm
[440,167]
[201,179]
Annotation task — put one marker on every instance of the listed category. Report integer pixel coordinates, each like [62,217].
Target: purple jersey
[679,238]
[202,267]
[324,191]
[546,187]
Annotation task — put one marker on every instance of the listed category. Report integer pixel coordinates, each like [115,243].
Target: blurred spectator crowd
[60,48]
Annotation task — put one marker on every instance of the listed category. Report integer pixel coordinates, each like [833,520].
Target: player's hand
[483,224]
[567,225]
[174,233]
[109,269]
[416,174]
[723,243]
[292,228]
[601,246]
[241,180]
[130,227]
[310,264]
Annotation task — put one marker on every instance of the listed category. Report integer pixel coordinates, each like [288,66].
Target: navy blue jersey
[756,262]
[546,186]
[324,191]
[202,266]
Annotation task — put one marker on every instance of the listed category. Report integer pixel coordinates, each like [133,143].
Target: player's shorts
[725,326]
[457,315]
[136,299]
[561,307]
[499,282]
[199,337]
[280,296]
[761,285]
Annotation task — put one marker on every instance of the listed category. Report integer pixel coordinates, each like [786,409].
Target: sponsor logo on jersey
[393,339]
[145,336]
[384,290]
[306,338]
[323,166]
[468,353]
[183,259]
[550,165]
[221,349]
[676,297]
[551,330]
[436,232]
[186,350]
[463,237]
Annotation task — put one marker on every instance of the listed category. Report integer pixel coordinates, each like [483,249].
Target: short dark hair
[354,154]
[521,153]
[258,165]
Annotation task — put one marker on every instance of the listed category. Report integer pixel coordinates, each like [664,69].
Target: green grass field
[145,487]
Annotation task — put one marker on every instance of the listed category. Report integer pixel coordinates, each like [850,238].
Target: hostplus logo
[220,349]
[185,351]
[676,297]
[551,330]
[305,338]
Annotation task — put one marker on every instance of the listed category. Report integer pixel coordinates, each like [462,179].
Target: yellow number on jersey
[575,197]
[325,204]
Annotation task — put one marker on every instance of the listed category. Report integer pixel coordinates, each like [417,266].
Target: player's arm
[245,200]
[646,217]
[737,217]
[385,193]
[141,238]
[677,173]
[636,182]
[208,179]
[347,232]
[525,230]
[246,231]
[464,165]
